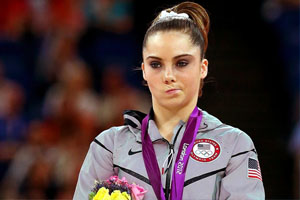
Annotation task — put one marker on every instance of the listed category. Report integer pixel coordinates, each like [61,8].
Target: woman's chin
[173,104]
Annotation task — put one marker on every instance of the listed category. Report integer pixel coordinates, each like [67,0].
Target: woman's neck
[166,119]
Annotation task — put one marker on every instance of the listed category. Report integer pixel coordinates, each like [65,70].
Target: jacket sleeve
[243,178]
[98,164]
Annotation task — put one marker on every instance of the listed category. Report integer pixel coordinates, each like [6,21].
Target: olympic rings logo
[204,152]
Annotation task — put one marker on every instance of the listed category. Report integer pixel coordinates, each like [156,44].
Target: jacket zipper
[168,178]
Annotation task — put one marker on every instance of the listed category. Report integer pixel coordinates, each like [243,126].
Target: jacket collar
[133,119]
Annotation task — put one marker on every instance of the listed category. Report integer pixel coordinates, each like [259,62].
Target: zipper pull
[170,154]
[172,147]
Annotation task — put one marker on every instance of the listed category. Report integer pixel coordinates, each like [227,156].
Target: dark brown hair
[197,26]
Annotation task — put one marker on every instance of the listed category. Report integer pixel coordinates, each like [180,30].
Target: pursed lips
[172,91]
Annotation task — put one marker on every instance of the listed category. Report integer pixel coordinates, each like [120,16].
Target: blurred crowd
[64,69]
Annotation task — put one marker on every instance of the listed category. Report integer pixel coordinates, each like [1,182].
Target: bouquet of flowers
[116,189]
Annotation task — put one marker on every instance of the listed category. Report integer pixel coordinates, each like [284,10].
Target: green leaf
[91,195]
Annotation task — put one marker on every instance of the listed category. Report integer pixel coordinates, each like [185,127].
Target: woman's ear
[144,73]
[204,68]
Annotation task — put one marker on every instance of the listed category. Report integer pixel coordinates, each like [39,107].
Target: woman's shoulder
[228,137]
[110,133]
[212,126]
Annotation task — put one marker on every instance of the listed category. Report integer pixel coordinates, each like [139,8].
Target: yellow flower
[127,196]
[117,195]
[102,194]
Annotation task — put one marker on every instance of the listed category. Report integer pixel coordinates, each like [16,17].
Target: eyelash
[155,65]
[181,63]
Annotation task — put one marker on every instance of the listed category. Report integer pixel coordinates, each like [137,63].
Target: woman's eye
[155,64]
[182,63]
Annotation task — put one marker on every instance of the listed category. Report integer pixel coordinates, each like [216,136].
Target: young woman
[177,151]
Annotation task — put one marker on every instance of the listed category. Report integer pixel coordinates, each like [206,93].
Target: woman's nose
[169,75]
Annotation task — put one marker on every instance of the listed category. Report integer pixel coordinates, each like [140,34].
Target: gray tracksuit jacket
[223,163]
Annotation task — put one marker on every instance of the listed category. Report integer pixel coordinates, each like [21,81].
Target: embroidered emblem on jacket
[205,150]
[254,169]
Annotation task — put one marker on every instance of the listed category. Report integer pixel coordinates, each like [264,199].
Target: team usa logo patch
[205,150]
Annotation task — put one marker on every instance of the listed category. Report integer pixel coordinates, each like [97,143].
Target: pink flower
[137,192]
[117,188]
[124,180]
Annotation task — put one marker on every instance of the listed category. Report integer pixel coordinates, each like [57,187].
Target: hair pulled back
[197,26]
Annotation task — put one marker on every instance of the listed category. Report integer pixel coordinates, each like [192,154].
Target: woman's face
[173,69]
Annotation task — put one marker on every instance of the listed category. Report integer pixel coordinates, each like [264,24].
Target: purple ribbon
[181,161]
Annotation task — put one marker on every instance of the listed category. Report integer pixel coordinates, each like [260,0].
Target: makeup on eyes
[180,60]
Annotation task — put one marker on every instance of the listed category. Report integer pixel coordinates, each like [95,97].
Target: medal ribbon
[181,161]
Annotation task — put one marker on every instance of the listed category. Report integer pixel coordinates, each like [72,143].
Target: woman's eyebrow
[182,55]
[153,57]
[178,56]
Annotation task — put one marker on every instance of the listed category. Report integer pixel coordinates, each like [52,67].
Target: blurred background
[68,71]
